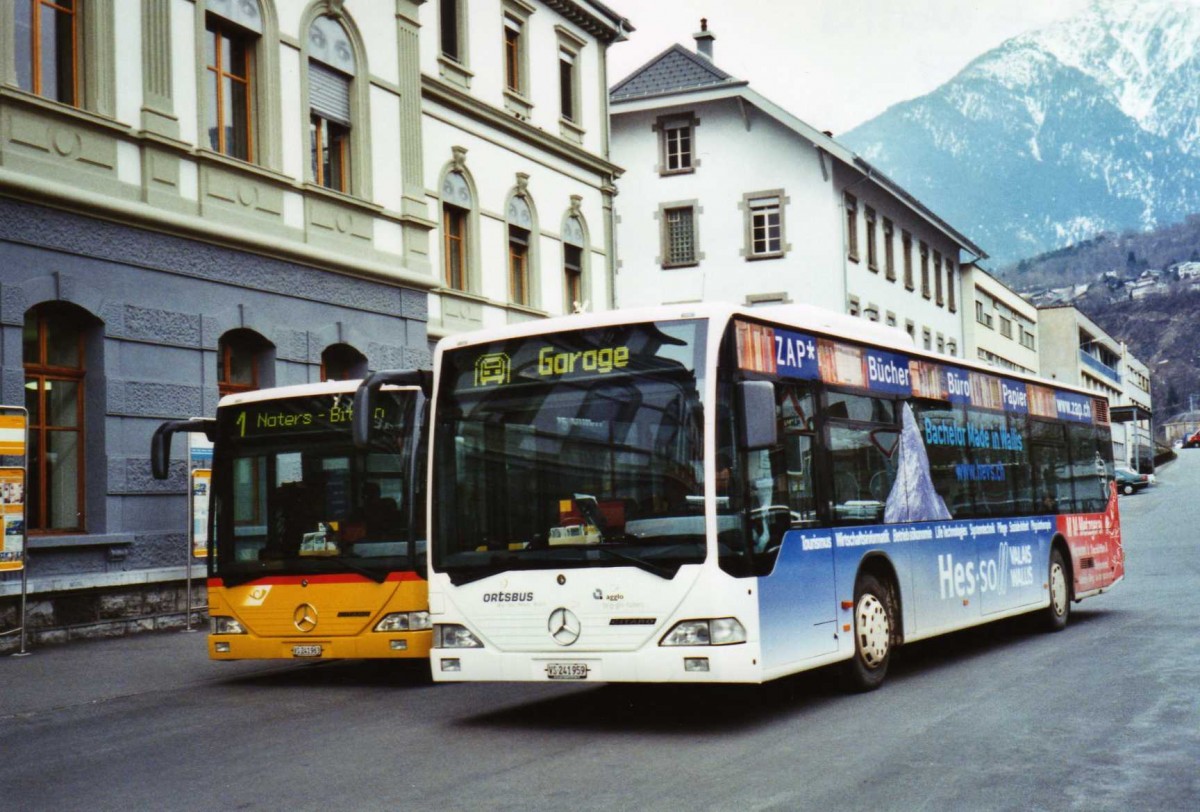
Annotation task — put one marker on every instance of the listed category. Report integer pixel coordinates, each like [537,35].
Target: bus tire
[1059,611]
[874,633]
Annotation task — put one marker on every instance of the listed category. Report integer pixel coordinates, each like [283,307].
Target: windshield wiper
[640,563]
[375,575]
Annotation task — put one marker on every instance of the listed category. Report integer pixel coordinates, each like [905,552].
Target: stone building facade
[200,197]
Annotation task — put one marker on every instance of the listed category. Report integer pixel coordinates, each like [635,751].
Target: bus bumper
[700,664]
[375,645]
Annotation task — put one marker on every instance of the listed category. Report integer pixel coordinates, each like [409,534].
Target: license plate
[567,670]
[306,651]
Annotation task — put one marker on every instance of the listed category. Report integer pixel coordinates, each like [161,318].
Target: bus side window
[862,453]
[797,407]
[1049,466]
[947,452]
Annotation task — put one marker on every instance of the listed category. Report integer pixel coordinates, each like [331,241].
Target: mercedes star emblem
[305,617]
[564,626]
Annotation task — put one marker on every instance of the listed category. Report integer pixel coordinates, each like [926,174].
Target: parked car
[1130,481]
[1192,440]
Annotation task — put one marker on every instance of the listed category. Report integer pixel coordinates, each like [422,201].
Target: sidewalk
[97,670]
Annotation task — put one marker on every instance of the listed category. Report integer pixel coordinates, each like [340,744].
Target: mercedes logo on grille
[564,626]
[305,617]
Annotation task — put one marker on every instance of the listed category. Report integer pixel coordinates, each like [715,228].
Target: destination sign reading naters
[304,415]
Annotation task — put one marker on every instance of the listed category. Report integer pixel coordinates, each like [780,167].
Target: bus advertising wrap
[794,355]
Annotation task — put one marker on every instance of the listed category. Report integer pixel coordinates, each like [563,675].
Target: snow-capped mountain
[1090,124]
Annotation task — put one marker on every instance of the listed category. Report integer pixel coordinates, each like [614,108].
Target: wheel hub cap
[874,633]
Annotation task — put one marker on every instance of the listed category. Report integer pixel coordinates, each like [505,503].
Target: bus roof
[297,390]
[799,316]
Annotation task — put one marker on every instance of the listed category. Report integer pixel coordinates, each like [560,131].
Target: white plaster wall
[294,132]
[991,339]
[386,186]
[376,24]
[485,60]
[493,161]
[872,287]
[288,13]
[183,69]
[127,44]
[732,162]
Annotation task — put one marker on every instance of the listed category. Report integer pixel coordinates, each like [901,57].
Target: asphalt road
[1105,715]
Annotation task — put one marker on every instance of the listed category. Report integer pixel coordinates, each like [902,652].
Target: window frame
[355,149]
[266,107]
[353,361]
[570,87]
[685,123]
[907,248]
[850,203]
[339,146]
[225,350]
[514,56]
[939,294]
[924,254]
[872,243]
[459,202]
[575,237]
[951,283]
[572,280]
[753,207]
[889,249]
[664,213]
[518,265]
[221,30]
[42,372]
[36,62]
[455,245]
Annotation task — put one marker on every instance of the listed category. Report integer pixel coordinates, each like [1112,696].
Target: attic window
[676,145]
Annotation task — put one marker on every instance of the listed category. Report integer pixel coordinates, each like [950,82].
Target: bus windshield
[294,497]
[574,449]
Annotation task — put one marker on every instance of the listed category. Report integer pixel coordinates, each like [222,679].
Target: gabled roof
[674,70]
[680,71]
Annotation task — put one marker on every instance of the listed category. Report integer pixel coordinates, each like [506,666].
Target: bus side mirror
[160,443]
[757,426]
[365,394]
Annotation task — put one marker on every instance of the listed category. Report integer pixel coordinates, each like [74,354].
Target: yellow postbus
[318,545]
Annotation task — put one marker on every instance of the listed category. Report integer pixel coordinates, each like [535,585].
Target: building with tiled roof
[728,196]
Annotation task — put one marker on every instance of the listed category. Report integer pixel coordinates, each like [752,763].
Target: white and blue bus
[708,493]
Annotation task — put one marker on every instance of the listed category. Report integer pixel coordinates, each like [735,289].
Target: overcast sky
[833,63]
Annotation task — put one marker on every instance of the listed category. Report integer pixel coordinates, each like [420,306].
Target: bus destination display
[307,415]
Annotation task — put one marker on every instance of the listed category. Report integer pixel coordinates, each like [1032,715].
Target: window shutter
[329,93]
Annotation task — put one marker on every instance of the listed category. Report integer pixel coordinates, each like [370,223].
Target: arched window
[456,208]
[574,243]
[331,71]
[53,353]
[241,362]
[232,33]
[341,362]
[520,234]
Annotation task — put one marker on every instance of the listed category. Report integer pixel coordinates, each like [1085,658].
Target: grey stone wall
[156,305]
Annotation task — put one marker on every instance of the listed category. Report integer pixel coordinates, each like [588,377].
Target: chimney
[704,40]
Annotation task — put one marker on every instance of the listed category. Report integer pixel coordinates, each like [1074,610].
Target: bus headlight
[221,624]
[721,631]
[403,622]
[452,635]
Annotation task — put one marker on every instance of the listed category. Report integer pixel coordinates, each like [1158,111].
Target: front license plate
[567,670]
[306,651]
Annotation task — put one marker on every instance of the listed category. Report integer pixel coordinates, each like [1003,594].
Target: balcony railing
[1092,362]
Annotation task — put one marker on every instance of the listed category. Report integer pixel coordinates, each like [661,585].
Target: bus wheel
[1059,610]
[874,621]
